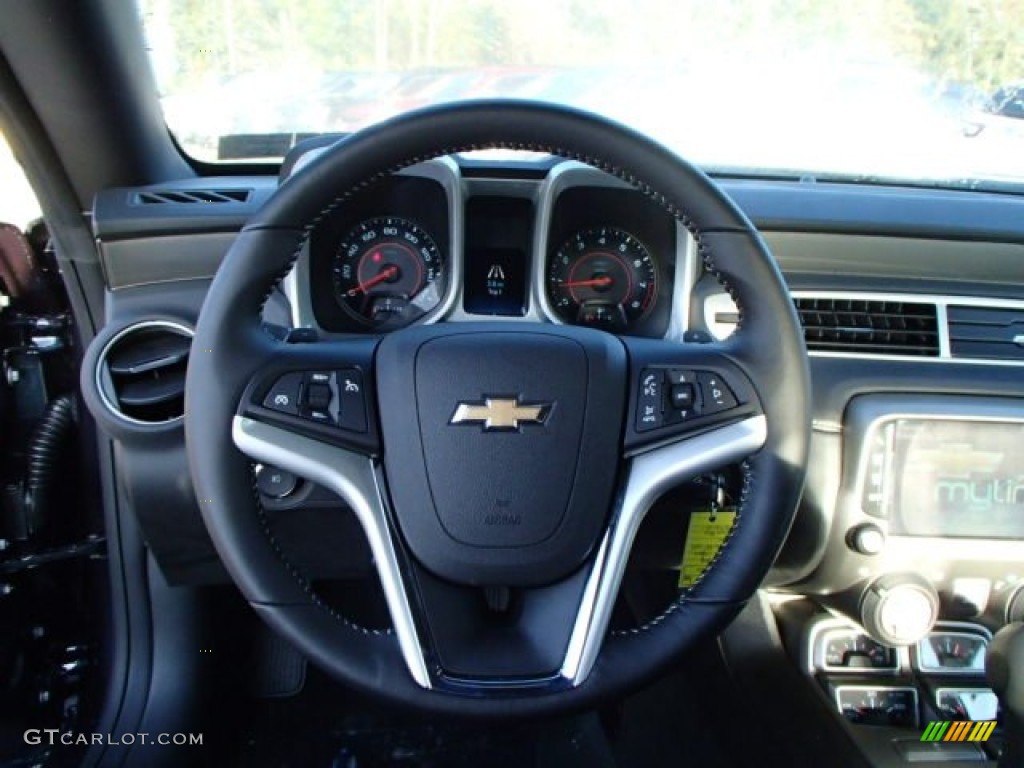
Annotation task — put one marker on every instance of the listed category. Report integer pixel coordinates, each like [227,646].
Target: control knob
[899,608]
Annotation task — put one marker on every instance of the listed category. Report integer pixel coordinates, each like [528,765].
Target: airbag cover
[520,500]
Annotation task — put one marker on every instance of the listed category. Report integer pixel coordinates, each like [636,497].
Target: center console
[932,491]
[941,677]
[924,562]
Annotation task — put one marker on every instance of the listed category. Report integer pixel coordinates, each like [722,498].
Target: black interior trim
[128,653]
[877,210]
[100,112]
[777,697]
[75,250]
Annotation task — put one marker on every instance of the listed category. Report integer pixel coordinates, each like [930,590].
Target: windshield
[919,90]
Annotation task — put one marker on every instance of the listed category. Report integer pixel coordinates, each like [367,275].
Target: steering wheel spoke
[463,638]
[357,480]
[649,475]
[322,390]
[678,391]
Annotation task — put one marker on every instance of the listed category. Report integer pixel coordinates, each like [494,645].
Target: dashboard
[912,302]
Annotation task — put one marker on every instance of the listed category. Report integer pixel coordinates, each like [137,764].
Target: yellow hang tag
[707,533]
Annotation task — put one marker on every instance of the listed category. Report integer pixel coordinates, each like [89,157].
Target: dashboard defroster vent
[141,372]
[986,332]
[869,326]
[191,196]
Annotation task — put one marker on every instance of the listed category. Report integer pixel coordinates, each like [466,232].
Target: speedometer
[388,272]
[603,277]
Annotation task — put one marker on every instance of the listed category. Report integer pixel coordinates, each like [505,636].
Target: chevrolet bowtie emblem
[500,413]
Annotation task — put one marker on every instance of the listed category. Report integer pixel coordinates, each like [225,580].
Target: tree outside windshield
[878,88]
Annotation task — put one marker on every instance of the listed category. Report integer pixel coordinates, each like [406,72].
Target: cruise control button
[717,395]
[318,396]
[649,402]
[284,395]
[352,406]
[323,417]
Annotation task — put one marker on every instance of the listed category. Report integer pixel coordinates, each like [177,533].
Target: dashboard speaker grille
[869,326]
[142,372]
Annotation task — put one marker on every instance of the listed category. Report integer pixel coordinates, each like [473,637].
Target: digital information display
[498,231]
[962,479]
[495,282]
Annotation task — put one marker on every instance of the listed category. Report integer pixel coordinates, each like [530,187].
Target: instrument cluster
[609,261]
[383,259]
[413,249]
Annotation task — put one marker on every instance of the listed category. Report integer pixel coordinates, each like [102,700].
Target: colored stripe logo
[959,730]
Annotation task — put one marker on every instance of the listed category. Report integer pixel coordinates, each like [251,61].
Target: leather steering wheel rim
[231,346]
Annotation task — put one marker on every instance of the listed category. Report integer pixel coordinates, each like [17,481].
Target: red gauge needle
[583,283]
[384,274]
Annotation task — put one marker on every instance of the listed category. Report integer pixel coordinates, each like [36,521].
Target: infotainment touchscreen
[955,478]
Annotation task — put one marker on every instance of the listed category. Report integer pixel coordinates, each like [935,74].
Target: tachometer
[388,272]
[603,277]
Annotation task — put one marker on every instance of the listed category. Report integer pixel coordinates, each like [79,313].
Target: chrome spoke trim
[354,478]
[649,476]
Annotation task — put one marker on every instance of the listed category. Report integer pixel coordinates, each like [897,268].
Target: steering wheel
[497,466]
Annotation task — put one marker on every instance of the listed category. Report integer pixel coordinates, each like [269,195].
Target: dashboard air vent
[142,372]
[986,332]
[190,196]
[869,326]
